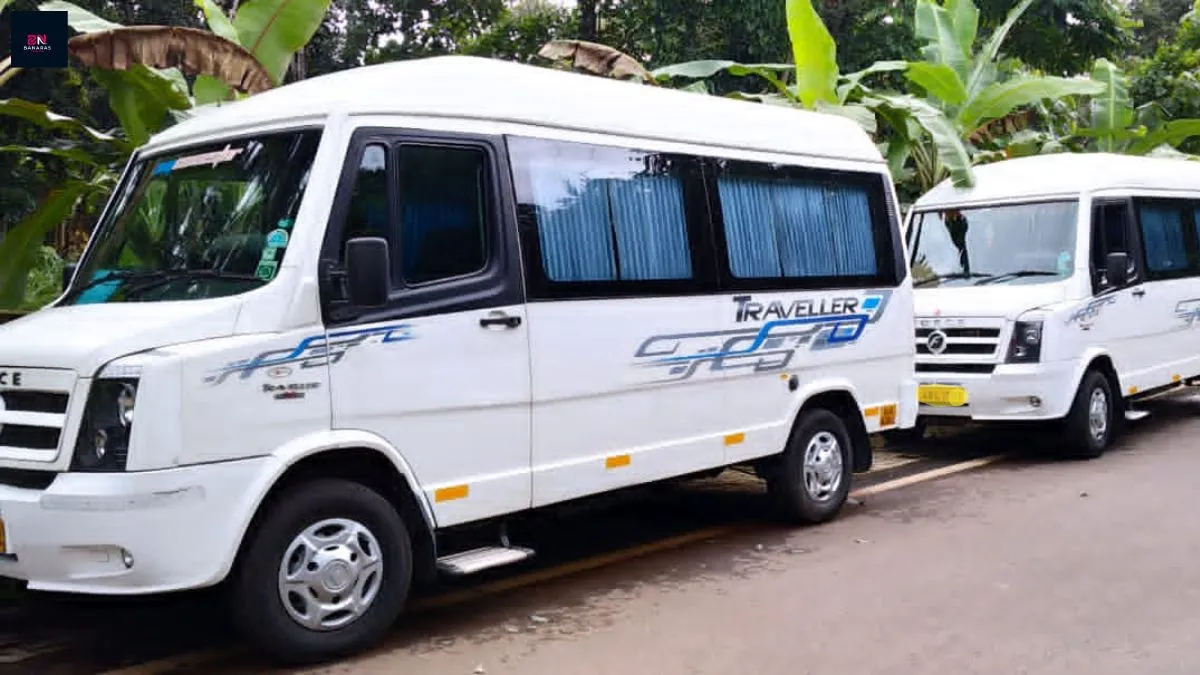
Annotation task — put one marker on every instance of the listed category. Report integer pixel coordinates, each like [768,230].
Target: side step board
[480,559]
[1135,415]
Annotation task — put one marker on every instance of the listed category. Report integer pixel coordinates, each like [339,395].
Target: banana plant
[144,69]
[1109,122]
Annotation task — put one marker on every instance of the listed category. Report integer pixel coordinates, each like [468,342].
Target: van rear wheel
[810,482]
[326,574]
[1092,420]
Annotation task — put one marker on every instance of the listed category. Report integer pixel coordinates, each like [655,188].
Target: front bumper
[131,533]
[1008,393]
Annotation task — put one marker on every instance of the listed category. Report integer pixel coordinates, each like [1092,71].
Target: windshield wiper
[120,275]
[946,277]
[164,277]
[995,278]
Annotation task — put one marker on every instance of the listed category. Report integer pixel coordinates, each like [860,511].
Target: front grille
[33,416]
[963,341]
[961,332]
[27,479]
[26,436]
[959,348]
[969,368]
[35,401]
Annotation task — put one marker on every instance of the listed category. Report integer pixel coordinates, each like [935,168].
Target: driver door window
[1112,232]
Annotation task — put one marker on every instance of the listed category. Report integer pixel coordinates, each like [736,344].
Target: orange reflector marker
[888,417]
[448,494]
[617,461]
[870,412]
[1133,390]
[734,439]
[1175,379]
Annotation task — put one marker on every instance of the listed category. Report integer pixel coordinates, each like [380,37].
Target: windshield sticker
[266,270]
[284,224]
[277,239]
[211,159]
[269,254]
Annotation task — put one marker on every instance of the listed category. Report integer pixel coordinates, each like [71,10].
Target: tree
[1168,83]
[254,49]
[521,30]
[1159,22]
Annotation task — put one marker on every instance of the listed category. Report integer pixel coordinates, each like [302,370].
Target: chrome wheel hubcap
[822,466]
[1098,414]
[330,574]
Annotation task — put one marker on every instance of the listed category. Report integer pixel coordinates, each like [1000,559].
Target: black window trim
[1133,234]
[541,288]
[1187,207]
[498,284]
[889,248]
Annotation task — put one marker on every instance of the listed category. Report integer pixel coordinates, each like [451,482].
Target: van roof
[495,90]
[1065,174]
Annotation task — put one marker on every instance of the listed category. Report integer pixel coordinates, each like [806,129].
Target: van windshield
[209,221]
[1009,244]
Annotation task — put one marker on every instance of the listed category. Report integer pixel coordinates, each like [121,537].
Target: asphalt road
[1029,565]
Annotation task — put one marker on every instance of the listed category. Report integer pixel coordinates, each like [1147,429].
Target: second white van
[1060,288]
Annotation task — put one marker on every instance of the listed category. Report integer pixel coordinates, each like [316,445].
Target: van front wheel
[326,574]
[811,480]
[1092,420]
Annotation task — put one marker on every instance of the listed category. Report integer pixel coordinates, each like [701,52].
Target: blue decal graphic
[313,352]
[767,348]
[1188,311]
[1086,315]
[163,168]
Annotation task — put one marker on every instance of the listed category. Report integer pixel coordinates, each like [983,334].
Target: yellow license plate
[942,395]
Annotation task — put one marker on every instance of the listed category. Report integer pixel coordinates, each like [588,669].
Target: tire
[818,432]
[259,609]
[1082,440]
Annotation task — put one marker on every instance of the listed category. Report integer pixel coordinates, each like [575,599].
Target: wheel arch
[1102,361]
[357,456]
[840,398]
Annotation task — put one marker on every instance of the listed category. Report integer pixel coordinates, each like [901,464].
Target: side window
[1163,237]
[603,214]
[782,222]
[443,213]
[369,214]
[1110,234]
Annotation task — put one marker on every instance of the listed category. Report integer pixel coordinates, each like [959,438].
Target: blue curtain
[1162,235]
[579,221]
[420,219]
[796,229]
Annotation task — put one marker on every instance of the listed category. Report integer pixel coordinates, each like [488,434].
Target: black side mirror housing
[368,271]
[1116,269]
[68,274]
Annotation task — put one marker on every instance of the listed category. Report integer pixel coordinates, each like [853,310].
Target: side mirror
[68,274]
[368,271]
[1116,269]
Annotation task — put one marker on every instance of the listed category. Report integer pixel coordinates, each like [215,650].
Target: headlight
[103,443]
[1026,343]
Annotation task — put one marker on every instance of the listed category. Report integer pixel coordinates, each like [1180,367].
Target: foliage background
[1146,39]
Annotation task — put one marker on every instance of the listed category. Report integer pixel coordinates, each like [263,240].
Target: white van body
[577,328]
[1034,330]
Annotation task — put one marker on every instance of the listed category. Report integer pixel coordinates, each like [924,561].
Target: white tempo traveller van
[1061,287]
[317,329]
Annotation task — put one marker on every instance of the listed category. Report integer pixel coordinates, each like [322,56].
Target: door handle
[1138,292]
[502,320]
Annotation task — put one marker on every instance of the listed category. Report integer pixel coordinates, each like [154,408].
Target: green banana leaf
[274,30]
[1112,109]
[938,80]
[982,71]
[1170,135]
[934,25]
[19,248]
[951,152]
[814,52]
[1000,99]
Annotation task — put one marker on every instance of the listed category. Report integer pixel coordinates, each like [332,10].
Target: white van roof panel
[495,90]
[1065,174]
